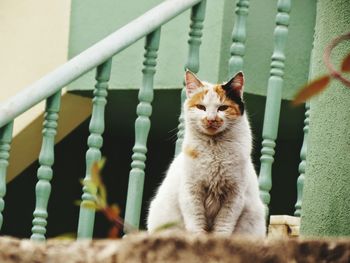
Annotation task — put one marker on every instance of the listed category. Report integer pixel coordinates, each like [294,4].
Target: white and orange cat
[211,186]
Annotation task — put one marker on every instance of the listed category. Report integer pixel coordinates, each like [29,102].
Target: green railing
[100,56]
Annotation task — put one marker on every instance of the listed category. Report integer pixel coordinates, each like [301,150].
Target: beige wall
[34,41]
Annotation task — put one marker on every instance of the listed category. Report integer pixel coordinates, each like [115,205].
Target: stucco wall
[89,26]
[34,41]
[326,204]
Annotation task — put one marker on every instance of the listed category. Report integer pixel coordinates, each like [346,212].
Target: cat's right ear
[192,83]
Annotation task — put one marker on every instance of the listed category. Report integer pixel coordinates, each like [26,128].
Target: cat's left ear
[235,84]
[192,83]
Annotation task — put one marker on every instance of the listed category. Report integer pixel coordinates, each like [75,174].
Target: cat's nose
[210,122]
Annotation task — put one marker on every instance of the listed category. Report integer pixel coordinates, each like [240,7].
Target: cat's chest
[210,163]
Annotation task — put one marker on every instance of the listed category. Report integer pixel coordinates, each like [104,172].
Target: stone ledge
[176,247]
[284,226]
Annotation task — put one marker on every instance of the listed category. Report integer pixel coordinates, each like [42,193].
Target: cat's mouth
[212,128]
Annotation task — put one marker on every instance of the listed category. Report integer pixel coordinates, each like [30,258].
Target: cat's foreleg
[192,210]
[228,216]
[251,222]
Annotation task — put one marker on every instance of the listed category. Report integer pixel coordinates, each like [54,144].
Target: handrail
[91,58]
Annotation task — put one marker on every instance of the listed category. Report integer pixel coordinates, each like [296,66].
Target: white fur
[223,159]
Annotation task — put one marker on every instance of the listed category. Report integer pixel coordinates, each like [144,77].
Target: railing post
[142,127]
[95,142]
[194,42]
[302,165]
[45,173]
[273,101]
[5,146]
[237,49]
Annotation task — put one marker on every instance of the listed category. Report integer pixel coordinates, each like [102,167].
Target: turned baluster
[45,173]
[302,165]
[194,42]
[273,101]
[93,154]
[142,127]
[237,49]
[5,145]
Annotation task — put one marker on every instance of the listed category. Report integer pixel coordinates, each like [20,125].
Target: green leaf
[95,174]
[102,195]
[101,163]
[311,89]
[81,180]
[89,205]
[91,187]
[98,183]
[77,202]
[345,66]
[167,226]
[66,236]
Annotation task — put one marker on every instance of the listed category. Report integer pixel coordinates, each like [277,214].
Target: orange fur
[196,98]
[233,109]
[191,152]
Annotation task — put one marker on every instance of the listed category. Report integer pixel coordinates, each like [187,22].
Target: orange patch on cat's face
[232,112]
[196,99]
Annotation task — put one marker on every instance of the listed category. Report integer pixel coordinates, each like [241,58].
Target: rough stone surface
[326,200]
[175,247]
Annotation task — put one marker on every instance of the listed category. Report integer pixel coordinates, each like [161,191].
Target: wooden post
[142,127]
[5,146]
[237,49]
[45,173]
[302,165]
[93,154]
[273,101]
[194,42]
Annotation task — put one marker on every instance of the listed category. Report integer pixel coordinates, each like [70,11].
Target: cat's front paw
[196,230]
[222,233]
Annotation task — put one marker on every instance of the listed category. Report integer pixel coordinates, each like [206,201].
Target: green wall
[89,26]
[326,204]
[260,28]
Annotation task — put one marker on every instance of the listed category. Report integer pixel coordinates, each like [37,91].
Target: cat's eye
[200,107]
[223,108]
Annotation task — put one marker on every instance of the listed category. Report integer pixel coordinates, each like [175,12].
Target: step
[176,247]
[284,226]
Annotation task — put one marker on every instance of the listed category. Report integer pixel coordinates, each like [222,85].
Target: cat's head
[213,108]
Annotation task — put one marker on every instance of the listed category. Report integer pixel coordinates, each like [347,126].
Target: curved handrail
[91,58]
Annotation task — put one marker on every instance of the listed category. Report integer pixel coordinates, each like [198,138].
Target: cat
[211,186]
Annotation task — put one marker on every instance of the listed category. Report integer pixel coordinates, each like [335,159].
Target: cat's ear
[235,85]
[192,83]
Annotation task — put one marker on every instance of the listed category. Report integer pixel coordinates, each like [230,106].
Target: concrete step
[176,247]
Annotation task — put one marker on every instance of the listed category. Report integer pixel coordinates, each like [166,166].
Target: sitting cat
[211,186]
